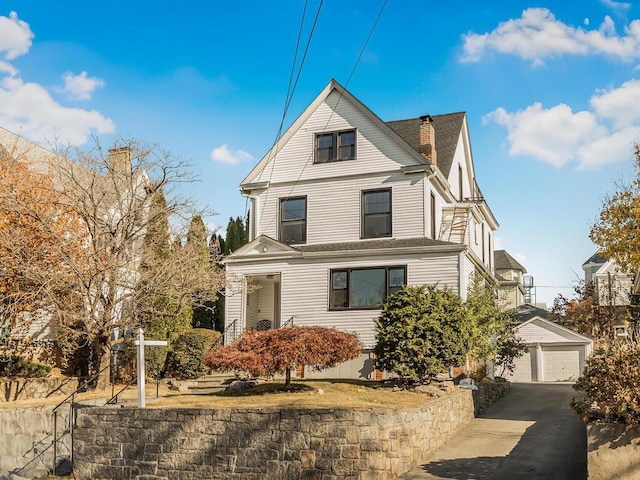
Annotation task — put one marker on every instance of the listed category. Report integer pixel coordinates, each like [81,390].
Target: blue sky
[551,89]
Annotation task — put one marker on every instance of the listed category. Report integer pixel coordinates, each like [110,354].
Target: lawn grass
[302,394]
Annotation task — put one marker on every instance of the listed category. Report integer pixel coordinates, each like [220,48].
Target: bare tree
[109,194]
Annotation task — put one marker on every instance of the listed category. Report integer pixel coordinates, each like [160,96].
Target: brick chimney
[428,139]
[120,160]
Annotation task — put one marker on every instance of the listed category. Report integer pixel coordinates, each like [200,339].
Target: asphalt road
[531,433]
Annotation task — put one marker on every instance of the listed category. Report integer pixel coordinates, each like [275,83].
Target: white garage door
[561,364]
[522,372]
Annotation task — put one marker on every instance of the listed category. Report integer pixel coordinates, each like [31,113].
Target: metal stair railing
[69,421]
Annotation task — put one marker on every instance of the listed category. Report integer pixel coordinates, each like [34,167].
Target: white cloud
[616,6]
[15,36]
[557,135]
[28,108]
[79,87]
[537,35]
[8,68]
[498,244]
[620,105]
[232,157]
[551,135]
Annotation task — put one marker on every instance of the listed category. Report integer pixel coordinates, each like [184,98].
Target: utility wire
[362,50]
[291,89]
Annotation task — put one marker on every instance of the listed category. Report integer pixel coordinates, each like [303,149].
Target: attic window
[335,146]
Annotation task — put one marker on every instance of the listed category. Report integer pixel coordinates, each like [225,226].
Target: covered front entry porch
[262,302]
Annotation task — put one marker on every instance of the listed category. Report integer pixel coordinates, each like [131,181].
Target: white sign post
[141,343]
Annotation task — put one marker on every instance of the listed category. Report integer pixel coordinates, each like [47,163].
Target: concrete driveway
[531,433]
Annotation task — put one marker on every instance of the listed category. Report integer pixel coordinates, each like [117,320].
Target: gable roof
[19,148]
[527,311]
[299,122]
[503,261]
[549,325]
[447,129]
[595,258]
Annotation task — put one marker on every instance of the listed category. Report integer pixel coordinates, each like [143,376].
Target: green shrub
[611,382]
[22,367]
[187,351]
[422,331]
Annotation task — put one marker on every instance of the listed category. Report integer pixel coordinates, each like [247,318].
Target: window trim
[282,221]
[387,269]
[363,193]
[335,146]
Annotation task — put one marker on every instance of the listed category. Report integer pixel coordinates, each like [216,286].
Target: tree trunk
[104,377]
[287,379]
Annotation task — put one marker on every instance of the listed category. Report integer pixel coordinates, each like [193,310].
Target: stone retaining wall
[261,443]
[488,393]
[25,441]
[14,389]
[613,451]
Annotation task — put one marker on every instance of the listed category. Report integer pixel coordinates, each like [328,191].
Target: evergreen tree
[159,314]
[197,251]
[216,250]
[237,235]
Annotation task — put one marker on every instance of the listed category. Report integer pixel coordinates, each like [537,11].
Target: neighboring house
[347,208]
[509,273]
[554,354]
[111,200]
[611,286]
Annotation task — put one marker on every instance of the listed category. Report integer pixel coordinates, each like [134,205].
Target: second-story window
[331,147]
[376,213]
[293,220]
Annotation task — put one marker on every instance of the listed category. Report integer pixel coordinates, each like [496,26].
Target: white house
[345,209]
[509,273]
[110,201]
[611,286]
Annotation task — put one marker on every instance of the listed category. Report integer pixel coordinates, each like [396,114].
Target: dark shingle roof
[595,258]
[389,243]
[527,312]
[447,129]
[503,261]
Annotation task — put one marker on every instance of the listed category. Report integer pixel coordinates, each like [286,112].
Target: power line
[362,50]
[291,89]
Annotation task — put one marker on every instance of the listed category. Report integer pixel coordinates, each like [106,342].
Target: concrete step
[210,383]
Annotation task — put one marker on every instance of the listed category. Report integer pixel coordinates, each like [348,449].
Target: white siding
[435,269]
[334,207]
[459,160]
[525,368]
[468,274]
[376,150]
[536,332]
[305,288]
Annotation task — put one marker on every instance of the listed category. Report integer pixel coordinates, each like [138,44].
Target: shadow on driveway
[531,433]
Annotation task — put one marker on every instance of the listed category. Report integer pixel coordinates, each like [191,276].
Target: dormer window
[335,146]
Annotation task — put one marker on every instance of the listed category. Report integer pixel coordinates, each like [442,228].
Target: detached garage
[555,353]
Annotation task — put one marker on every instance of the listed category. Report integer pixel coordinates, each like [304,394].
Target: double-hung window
[376,213]
[364,287]
[334,146]
[293,220]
